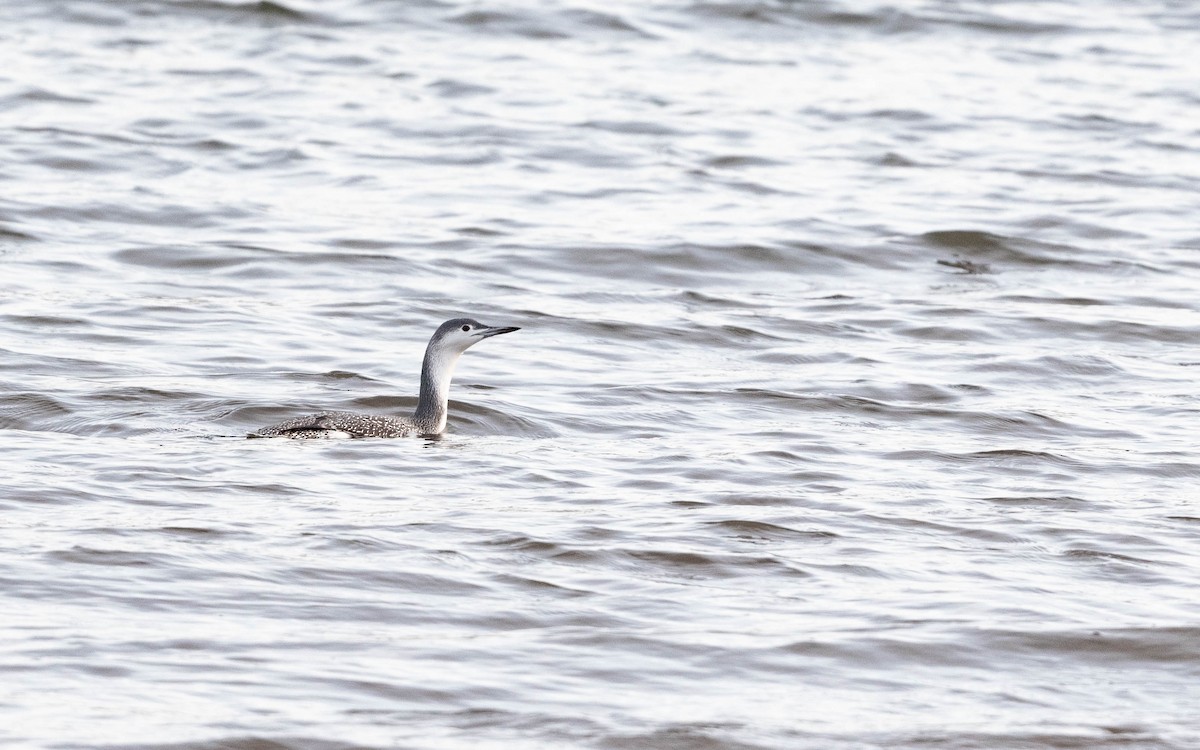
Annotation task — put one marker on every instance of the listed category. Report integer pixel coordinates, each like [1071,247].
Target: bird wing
[356,425]
[309,422]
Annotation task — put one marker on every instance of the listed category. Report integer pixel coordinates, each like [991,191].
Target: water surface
[854,404]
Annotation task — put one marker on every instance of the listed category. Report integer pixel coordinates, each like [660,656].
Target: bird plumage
[447,344]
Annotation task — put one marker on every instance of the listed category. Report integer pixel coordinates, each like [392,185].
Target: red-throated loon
[447,344]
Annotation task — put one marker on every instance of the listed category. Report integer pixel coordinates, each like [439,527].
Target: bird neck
[436,371]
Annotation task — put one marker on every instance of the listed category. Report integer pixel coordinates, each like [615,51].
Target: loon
[447,344]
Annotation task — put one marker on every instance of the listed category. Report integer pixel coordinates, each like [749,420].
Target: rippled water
[854,404]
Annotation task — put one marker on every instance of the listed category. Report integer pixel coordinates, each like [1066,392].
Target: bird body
[342,424]
[447,344]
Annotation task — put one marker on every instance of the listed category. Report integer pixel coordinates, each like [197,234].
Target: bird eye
[466,328]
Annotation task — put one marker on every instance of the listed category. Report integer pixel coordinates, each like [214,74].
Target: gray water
[854,404]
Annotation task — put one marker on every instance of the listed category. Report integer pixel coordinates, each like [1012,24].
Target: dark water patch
[691,263]
[1062,369]
[663,654]
[33,96]
[1053,501]
[211,145]
[75,164]
[49,493]
[242,261]
[360,243]
[541,587]
[129,43]
[890,653]
[108,557]
[649,485]
[810,481]
[739,161]
[75,139]
[476,231]
[1110,178]
[453,89]
[359,262]
[757,12]
[704,736]
[690,504]
[697,300]
[708,566]
[1142,465]
[200,533]
[946,530]
[231,742]
[50,322]
[382,401]
[752,188]
[1089,737]
[1102,329]
[877,395]
[1003,460]
[1094,229]
[1054,300]
[393,581]
[8,234]
[947,333]
[750,333]
[106,671]
[399,692]
[978,249]
[916,403]
[1126,331]
[523,543]
[31,411]
[761,530]
[976,18]
[591,157]
[471,134]
[894,159]
[553,24]
[595,194]
[786,357]
[339,61]
[631,127]
[901,115]
[518,24]
[1103,556]
[157,127]
[1093,123]
[261,13]
[193,534]
[1030,424]
[799,401]
[269,158]
[141,394]
[167,215]
[1171,648]
[785,18]
[777,455]
[235,120]
[605,21]
[1019,454]
[357,544]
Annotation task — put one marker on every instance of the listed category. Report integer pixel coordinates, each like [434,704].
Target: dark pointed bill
[496,331]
